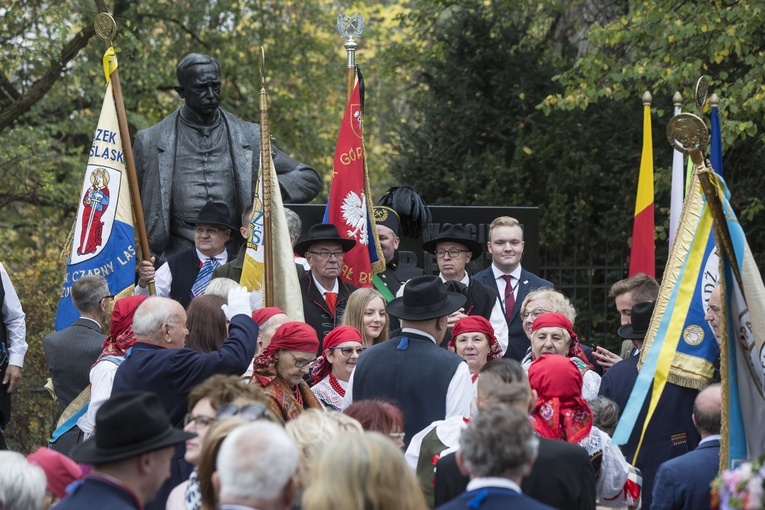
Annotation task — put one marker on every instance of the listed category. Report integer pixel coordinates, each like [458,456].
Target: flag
[269,262]
[715,149]
[349,204]
[742,362]
[680,347]
[642,253]
[678,190]
[103,239]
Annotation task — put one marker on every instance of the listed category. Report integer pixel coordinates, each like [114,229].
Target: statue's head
[199,83]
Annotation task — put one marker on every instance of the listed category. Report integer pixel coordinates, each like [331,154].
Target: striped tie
[204,277]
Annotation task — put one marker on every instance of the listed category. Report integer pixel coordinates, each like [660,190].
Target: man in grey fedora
[187,274]
[426,382]
[130,454]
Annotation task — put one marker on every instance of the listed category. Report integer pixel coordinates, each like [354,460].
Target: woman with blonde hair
[362,471]
[365,311]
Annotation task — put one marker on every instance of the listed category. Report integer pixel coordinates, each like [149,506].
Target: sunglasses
[348,351]
[249,412]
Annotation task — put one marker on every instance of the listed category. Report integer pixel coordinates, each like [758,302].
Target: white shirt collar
[335,287]
[465,279]
[221,257]
[493,481]
[713,437]
[516,273]
[412,330]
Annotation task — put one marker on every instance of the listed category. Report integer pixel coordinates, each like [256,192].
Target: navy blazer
[494,498]
[97,493]
[683,482]
[671,432]
[517,343]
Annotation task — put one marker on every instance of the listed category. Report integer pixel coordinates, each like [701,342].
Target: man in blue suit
[683,482]
[513,283]
[497,449]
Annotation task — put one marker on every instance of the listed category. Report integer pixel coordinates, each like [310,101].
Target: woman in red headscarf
[120,339]
[280,368]
[342,348]
[553,333]
[561,413]
[473,339]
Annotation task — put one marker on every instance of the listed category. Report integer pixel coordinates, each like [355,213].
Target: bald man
[683,482]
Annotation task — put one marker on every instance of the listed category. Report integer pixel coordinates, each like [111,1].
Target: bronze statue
[201,153]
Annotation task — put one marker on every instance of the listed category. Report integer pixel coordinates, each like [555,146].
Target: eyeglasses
[206,230]
[299,362]
[398,436]
[110,296]
[536,312]
[249,412]
[199,421]
[323,254]
[347,351]
[453,253]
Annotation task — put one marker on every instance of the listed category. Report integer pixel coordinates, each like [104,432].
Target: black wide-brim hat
[425,297]
[453,233]
[128,425]
[640,320]
[214,213]
[323,232]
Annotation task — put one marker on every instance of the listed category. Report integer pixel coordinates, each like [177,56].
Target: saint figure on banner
[96,200]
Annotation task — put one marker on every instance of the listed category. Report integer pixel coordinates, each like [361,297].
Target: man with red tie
[510,279]
[324,293]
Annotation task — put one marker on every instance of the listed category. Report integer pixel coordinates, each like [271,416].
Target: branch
[182,26]
[44,84]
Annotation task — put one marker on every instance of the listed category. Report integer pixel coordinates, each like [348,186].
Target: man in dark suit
[426,382]
[671,432]
[454,249]
[187,274]
[512,282]
[497,449]
[396,273]
[159,362]
[325,294]
[562,477]
[683,482]
[71,352]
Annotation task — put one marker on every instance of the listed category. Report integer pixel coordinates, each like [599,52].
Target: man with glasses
[513,283]
[453,249]
[186,275]
[72,351]
[325,294]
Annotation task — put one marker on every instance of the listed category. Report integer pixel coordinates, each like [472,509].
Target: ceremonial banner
[679,347]
[678,190]
[103,241]
[643,252]
[269,263]
[349,206]
[743,356]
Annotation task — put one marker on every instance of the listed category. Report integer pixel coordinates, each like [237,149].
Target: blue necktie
[204,277]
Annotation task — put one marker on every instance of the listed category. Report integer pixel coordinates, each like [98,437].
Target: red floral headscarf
[291,336]
[337,336]
[476,324]
[558,320]
[560,412]
[121,336]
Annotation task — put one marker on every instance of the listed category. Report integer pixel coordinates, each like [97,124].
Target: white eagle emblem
[354,214]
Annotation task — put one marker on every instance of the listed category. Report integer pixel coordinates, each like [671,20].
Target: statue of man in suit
[202,153]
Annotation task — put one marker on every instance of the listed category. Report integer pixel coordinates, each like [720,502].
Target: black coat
[315,309]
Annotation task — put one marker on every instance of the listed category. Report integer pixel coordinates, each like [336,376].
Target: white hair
[256,461]
[221,286]
[22,485]
[150,315]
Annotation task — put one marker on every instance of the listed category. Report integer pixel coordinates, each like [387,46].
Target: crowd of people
[217,405]
[449,391]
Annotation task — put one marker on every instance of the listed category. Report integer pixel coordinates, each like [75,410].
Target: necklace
[336,385]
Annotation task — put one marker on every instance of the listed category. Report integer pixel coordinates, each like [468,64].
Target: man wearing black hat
[187,274]
[426,382]
[324,293]
[453,249]
[130,454]
[396,273]
[671,431]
